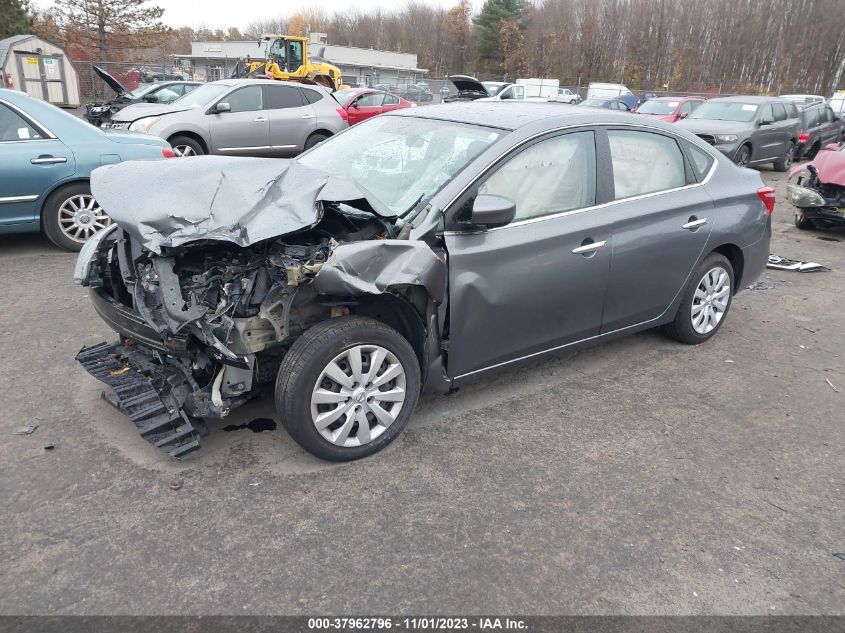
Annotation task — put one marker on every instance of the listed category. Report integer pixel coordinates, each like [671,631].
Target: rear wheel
[315,139]
[785,162]
[347,387]
[186,146]
[743,155]
[71,215]
[706,302]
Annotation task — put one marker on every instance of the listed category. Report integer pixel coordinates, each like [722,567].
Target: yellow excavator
[286,59]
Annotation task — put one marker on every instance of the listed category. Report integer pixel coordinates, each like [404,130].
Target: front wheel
[184,146]
[743,155]
[706,302]
[71,215]
[802,222]
[347,387]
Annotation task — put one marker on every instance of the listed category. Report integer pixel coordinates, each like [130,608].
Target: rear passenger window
[280,97]
[554,175]
[701,161]
[390,100]
[779,111]
[310,96]
[644,162]
[13,127]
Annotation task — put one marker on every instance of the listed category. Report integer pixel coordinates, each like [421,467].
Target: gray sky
[225,13]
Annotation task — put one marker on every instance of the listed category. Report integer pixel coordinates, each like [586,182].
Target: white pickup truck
[471,89]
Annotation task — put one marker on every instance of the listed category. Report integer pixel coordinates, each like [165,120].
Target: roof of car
[747,99]
[263,81]
[687,98]
[512,115]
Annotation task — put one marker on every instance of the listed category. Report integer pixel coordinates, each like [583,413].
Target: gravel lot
[640,477]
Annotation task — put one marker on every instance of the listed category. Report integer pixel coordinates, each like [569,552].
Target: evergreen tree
[14,18]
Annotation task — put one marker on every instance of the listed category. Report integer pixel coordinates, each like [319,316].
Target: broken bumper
[151,394]
[128,323]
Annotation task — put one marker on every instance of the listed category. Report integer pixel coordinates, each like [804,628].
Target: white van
[606,91]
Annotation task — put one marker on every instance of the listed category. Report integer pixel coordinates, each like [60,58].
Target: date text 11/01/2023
[418,624]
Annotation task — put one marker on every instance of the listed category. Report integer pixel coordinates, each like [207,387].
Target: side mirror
[492,211]
[222,107]
[766,122]
[151,99]
[683,115]
[353,105]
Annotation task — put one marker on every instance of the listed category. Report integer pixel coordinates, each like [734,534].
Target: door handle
[694,224]
[308,116]
[259,119]
[48,160]
[589,248]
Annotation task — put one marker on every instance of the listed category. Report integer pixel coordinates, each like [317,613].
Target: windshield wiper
[412,207]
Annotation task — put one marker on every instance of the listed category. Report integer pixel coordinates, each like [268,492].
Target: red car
[670,109]
[363,103]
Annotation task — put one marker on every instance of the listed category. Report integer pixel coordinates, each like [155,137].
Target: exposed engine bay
[207,322]
[817,190]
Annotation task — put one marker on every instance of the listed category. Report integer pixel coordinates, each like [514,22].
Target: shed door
[42,76]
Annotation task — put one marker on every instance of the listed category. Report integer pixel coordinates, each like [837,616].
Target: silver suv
[240,117]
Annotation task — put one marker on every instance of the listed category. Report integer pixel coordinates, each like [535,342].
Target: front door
[292,120]
[661,222]
[539,282]
[366,106]
[245,129]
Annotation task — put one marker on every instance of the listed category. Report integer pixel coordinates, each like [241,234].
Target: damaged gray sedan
[418,250]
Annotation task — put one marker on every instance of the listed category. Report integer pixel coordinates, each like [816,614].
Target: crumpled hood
[233,199]
[113,83]
[136,111]
[830,166]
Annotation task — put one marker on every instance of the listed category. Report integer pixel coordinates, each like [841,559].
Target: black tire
[303,365]
[50,214]
[179,143]
[681,329]
[785,162]
[813,151]
[315,139]
[802,222]
[742,156]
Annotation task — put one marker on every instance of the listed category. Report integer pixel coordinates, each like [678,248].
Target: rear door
[32,162]
[391,102]
[539,282]
[244,130]
[292,119]
[661,221]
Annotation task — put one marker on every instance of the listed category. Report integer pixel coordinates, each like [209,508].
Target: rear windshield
[726,111]
[345,96]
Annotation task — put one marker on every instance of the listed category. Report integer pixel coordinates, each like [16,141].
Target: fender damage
[209,280]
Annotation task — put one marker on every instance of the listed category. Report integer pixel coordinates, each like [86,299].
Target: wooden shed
[40,69]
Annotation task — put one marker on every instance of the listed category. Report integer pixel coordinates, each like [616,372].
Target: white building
[210,61]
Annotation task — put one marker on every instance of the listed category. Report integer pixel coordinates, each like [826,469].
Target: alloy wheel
[184,150]
[358,395]
[80,216]
[710,301]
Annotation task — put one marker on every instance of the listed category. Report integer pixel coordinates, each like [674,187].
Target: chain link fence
[130,74]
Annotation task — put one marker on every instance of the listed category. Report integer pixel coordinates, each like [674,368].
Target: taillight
[803,137]
[343,114]
[167,152]
[767,195]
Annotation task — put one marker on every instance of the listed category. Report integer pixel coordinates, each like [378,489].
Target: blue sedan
[46,158]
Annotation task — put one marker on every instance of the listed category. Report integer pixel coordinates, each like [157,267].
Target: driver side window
[554,175]
[247,99]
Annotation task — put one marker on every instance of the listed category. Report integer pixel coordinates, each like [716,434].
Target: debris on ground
[830,384]
[761,285]
[29,429]
[49,447]
[176,484]
[840,555]
[783,263]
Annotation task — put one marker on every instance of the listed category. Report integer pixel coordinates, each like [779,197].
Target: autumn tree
[458,23]
[488,29]
[14,18]
[138,22]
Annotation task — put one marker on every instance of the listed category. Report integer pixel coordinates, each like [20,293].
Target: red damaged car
[817,190]
[362,103]
[670,109]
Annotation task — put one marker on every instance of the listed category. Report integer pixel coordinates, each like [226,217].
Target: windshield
[658,107]
[202,95]
[344,96]
[140,91]
[493,88]
[401,160]
[725,111]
